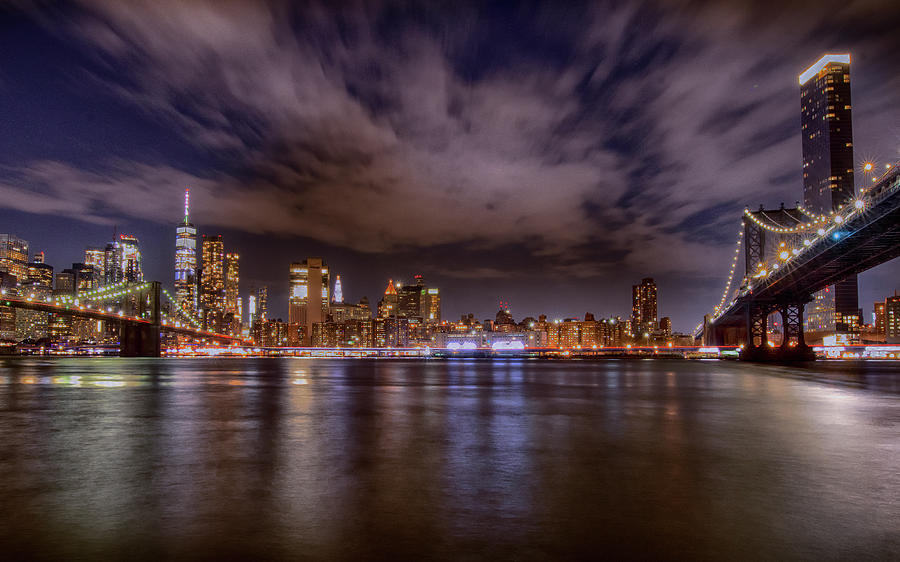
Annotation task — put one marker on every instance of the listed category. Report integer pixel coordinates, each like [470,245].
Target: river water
[458,459]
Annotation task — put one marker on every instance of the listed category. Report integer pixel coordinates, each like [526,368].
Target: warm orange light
[867,166]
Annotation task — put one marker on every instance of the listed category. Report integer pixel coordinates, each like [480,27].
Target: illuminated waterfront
[326,458]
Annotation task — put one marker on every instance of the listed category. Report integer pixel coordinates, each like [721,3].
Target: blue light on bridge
[836,235]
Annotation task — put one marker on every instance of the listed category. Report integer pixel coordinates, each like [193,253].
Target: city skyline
[591,241]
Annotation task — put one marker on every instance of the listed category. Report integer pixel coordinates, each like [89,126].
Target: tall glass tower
[186,260]
[827,138]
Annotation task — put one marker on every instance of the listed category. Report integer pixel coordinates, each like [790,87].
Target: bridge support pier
[139,340]
[793,346]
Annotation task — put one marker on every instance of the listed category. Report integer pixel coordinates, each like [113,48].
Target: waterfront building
[644,308]
[14,256]
[569,333]
[8,286]
[892,319]
[308,297]
[212,283]
[879,320]
[186,260]
[827,140]
[232,287]
[665,326]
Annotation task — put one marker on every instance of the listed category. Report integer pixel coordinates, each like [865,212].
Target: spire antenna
[187,205]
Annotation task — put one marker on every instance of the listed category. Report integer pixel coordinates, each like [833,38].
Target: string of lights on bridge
[823,225]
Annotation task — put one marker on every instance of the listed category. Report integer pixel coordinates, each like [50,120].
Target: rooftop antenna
[187,204]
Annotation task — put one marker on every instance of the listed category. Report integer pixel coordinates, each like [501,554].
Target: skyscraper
[14,256]
[212,283]
[308,297]
[338,290]
[232,281]
[132,263]
[827,139]
[262,304]
[643,307]
[186,260]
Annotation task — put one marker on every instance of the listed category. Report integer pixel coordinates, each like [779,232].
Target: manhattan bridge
[790,254]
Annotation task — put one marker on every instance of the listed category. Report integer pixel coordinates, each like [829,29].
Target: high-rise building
[879,318]
[232,282]
[40,273]
[113,260]
[892,319]
[338,290]
[132,264]
[308,297]
[262,304]
[212,283]
[186,260]
[97,258]
[13,256]
[827,139]
[389,303]
[643,307]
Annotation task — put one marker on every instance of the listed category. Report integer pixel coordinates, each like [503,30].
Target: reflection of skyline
[374,458]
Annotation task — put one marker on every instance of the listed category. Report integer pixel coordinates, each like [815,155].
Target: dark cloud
[599,137]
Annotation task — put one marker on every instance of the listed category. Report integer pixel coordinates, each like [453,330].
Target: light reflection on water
[286,458]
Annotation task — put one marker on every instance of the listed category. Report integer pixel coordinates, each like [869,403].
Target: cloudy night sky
[547,154]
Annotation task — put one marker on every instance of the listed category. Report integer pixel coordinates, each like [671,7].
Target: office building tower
[879,321]
[132,264]
[13,256]
[262,304]
[827,139]
[665,326]
[96,257]
[212,283]
[186,260]
[338,290]
[40,273]
[892,319]
[113,260]
[308,300]
[232,282]
[251,310]
[643,308]
[389,303]
[38,257]
[432,310]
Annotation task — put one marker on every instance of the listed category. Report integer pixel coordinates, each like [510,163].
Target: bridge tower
[142,340]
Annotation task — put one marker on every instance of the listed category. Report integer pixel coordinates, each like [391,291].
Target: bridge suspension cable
[184,312]
[734,260]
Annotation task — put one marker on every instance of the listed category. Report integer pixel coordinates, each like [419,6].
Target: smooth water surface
[463,459]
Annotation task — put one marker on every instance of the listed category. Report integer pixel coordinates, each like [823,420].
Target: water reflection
[326,459]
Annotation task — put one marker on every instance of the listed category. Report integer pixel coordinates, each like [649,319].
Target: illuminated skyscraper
[262,304]
[95,257]
[389,303]
[308,297]
[338,290]
[827,138]
[212,283]
[643,307]
[186,260]
[132,264]
[232,281]
[14,256]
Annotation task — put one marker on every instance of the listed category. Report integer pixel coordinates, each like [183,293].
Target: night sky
[547,154]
